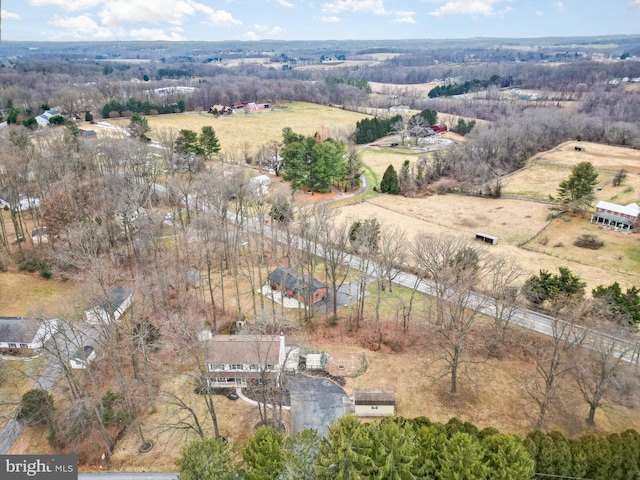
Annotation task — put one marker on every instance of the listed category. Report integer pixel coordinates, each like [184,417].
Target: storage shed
[374,402]
[487,238]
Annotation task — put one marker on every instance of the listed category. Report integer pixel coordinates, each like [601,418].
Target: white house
[259,185]
[238,360]
[25,335]
[83,357]
[111,310]
[43,120]
[618,217]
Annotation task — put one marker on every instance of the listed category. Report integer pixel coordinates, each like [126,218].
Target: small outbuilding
[487,238]
[83,357]
[374,402]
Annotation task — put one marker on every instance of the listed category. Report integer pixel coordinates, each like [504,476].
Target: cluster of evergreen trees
[468,86]
[399,448]
[623,307]
[311,163]
[361,84]
[370,129]
[138,106]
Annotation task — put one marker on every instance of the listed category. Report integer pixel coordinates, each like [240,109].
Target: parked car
[232,395]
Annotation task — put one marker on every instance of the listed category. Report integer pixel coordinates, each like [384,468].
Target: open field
[25,294]
[418,90]
[259,127]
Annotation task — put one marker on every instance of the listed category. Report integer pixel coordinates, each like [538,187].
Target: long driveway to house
[315,403]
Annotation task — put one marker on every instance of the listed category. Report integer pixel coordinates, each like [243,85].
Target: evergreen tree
[390,182]
[209,143]
[138,127]
[507,458]
[462,458]
[580,185]
[36,407]
[263,454]
[206,459]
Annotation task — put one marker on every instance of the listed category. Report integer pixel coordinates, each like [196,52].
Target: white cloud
[66,4]
[284,3]
[81,26]
[404,17]
[540,13]
[559,5]
[156,34]
[117,12]
[475,8]
[634,4]
[367,6]
[222,18]
[9,15]
[330,19]
[259,32]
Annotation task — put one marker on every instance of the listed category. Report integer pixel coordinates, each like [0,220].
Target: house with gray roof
[118,301]
[22,335]
[303,288]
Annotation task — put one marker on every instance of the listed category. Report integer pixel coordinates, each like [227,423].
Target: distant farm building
[617,217]
[88,133]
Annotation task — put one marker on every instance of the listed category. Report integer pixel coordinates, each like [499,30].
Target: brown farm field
[259,127]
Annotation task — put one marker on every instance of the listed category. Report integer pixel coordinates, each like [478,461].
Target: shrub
[114,114]
[588,241]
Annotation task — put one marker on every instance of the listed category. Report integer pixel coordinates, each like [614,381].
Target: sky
[212,20]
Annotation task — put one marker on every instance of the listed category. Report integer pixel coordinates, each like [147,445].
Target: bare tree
[503,292]
[453,270]
[601,370]
[554,357]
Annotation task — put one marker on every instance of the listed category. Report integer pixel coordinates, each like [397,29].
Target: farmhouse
[43,120]
[618,217]
[111,310]
[239,360]
[25,335]
[374,402]
[303,288]
[83,357]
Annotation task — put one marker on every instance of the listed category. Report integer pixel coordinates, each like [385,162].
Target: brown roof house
[240,360]
[25,335]
[304,288]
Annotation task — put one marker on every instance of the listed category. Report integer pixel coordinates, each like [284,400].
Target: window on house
[24,345]
[269,366]
[13,345]
[374,407]
[235,366]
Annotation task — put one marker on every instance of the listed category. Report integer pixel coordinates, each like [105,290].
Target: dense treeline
[370,129]
[468,86]
[138,106]
[361,84]
[399,448]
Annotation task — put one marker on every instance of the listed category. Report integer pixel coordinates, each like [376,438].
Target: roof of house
[295,281]
[374,397]
[117,296]
[631,209]
[244,349]
[380,396]
[83,353]
[18,329]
